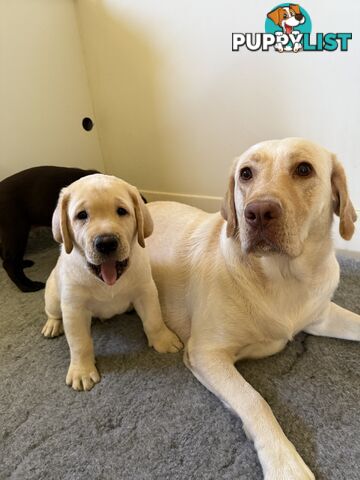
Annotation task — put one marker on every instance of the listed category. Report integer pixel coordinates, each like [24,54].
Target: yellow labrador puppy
[102,270]
[241,285]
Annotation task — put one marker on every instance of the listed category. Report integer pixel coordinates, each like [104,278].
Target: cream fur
[74,294]
[226,303]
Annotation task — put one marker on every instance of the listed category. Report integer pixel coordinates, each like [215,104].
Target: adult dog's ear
[60,222]
[228,210]
[275,16]
[342,203]
[143,218]
[296,8]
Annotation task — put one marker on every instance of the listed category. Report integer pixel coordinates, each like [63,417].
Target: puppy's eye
[246,173]
[303,169]
[285,16]
[121,211]
[82,215]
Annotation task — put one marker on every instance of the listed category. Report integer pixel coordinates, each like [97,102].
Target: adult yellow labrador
[241,285]
[102,270]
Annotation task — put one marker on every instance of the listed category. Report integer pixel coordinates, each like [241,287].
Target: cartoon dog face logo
[287,18]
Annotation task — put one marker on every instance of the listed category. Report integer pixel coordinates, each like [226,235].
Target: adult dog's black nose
[262,213]
[299,16]
[106,244]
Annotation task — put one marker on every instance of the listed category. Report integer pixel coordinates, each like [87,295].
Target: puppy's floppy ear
[296,8]
[143,218]
[228,210]
[60,225]
[275,16]
[342,203]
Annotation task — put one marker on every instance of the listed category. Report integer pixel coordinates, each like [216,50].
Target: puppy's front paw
[82,376]
[166,341]
[31,286]
[27,263]
[52,328]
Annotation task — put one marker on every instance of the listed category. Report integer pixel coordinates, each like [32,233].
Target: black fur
[28,199]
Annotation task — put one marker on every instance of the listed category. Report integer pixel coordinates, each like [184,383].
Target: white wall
[44,91]
[174,104]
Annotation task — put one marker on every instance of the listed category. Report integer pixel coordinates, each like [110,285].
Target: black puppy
[28,199]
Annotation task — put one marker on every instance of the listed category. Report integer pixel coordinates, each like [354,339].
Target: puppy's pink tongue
[108,272]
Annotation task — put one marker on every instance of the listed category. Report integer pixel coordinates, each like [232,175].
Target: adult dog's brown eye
[82,215]
[121,211]
[303,169]
[246,173]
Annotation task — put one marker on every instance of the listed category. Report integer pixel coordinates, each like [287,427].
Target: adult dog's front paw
[287,465]
[52,328]
[165,341]
[82,376]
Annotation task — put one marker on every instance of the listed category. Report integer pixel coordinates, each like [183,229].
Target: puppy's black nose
[261,214]
[106,244]
[299,17]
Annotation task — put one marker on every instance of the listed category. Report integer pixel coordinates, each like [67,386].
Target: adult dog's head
[283,192]
[102,217]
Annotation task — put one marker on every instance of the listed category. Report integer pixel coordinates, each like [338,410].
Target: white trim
[213,204]
[353,245]
[348,254]
[205,202]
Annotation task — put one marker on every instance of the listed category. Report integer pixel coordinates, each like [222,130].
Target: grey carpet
[149,418]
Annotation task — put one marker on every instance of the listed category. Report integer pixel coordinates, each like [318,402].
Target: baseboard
[348,254]
[205,202]
[213,204]
[352,246]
